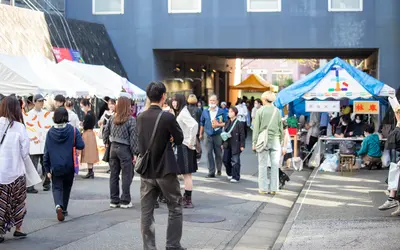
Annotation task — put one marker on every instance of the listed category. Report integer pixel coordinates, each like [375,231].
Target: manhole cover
[89,197]
[203,218]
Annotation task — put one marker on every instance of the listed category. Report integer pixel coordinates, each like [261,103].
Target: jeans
[272,157]
[62,189]
[149,191]
[35,160]
[213,145]
[120,161]
[232,164]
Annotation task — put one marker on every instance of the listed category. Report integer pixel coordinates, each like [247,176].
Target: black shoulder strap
[154,130]
[5,133]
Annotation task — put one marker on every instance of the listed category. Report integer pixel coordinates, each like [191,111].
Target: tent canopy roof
[253,82]
[303,86]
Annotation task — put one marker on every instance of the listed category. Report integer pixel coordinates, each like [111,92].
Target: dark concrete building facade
[153,37]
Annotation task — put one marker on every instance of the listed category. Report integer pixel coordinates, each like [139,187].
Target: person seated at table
[334,122]
[344,128]
[371,148]
[358,126]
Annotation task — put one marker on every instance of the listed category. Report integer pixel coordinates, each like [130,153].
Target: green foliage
[292,122]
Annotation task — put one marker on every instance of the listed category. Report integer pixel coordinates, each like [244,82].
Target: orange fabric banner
[366,107]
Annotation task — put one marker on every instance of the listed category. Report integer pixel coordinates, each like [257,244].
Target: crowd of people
[165,140]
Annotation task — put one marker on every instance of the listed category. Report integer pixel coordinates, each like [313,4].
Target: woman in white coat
[186,153]
[14,151]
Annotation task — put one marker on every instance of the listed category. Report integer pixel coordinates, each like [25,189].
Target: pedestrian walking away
[186,153]
[59,159]
[14,152]
[120,135]
[90,154]
[156,130]
[211,123]
[234,144]
[268,132]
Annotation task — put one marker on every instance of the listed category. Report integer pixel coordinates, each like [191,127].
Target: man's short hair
[60,116]
[370,129]
[59,98]
[213,95]
[155,91]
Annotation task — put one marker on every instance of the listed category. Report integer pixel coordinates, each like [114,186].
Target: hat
[59,98]
[124,94]
[223,103]
[38,97]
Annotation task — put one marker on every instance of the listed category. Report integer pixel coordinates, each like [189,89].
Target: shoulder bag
[226,135]
[142,161]
[262,140]
[5,133]
[75,154]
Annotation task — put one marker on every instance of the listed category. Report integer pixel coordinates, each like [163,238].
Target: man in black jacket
[162,170]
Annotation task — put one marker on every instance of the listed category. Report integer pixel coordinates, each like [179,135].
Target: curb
[293,214]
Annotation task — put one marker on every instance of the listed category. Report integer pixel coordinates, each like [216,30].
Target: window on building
[345,5]
[264,5]
[108,7]
[184,6]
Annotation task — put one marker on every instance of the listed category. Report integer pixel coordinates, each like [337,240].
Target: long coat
[162,158]
[237,139]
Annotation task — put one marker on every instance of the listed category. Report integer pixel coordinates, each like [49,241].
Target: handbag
[226,135]
[142,161]
[106,156]
[75,155]
[262,140]
[393,176]
[5,133]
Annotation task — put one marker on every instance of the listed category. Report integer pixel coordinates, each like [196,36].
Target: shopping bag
[386,158]
[31,175]
[393,178]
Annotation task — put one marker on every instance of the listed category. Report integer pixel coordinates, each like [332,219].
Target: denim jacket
[205,121]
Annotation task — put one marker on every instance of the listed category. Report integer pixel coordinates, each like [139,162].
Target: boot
[89,175]
[187,202]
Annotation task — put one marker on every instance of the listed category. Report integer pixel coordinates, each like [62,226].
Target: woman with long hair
[59,159]
[72,116]
[121,135]
[186,153]
[195,112]
[90,154]
[268,120]
[14,151]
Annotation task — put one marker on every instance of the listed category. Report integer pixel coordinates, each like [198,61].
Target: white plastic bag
[31,175]
[297,163]
[330,163]
[393,179]
[386,158]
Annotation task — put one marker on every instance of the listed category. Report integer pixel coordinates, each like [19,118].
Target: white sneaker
[113,205]
[234,181]
[127,205]
[389,205]
[397,212]
[229,177]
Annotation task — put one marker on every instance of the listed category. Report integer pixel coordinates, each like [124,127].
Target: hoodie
[58,152]
[371,146]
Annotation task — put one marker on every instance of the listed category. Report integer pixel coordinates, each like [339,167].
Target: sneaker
[234,181]
[129,205]
[210,176]
[60,214]
[1,239]
[114,205]
[46,188]
[229,177]
[219,173]
[65,213]
[32,190]
[19,234]
[389,205]
[262,192]
[397,212]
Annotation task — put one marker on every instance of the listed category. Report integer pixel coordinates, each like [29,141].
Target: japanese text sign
[366,107]
[322,106]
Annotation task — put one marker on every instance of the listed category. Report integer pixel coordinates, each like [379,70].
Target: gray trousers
[149,191]
[35,160]
[120,162]
[213,146]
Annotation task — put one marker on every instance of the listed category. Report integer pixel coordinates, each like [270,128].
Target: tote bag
[75,155]
[262,140]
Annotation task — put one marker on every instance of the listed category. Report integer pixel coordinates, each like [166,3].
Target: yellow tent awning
[253,82]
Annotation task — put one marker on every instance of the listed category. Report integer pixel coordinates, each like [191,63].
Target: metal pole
[12,2]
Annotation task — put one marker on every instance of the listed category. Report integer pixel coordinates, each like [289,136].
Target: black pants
[170,188]
[35,160]
[312,142]
[232,164]
[62,189]
[120,162]
[245,129]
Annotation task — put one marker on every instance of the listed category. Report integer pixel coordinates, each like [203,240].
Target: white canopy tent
[30,75]
[105,81]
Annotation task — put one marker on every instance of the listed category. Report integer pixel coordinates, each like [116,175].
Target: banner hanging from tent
[322,106]
[366,107]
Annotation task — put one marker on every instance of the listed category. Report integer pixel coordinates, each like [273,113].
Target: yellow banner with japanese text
[366,107]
